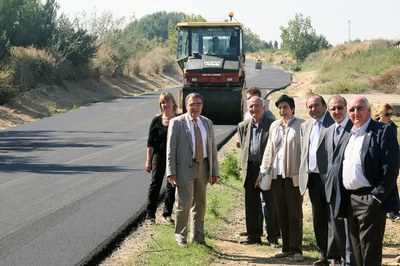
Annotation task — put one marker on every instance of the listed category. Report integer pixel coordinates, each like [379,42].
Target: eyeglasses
[388,114]
[339,108]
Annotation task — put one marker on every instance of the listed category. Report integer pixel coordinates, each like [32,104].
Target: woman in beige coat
[283,154]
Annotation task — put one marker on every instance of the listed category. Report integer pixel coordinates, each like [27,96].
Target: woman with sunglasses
[384,114]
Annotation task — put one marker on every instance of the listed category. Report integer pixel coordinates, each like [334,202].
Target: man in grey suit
[313,169]
[192,162]
[334,137]
[253,136]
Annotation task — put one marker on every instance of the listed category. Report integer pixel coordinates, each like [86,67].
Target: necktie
[336,136]
[314,138]
[198,155]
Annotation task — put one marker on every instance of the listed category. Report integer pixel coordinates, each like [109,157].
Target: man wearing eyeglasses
[192,162]
[337,107]
[368,175]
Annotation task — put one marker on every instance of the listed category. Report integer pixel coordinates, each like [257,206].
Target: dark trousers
[289,201]
[271,216]
[157,176]
[253,208]
[339,239]
[366,221]
[320,211]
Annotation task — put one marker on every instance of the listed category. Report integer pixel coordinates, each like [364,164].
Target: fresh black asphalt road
[72,182]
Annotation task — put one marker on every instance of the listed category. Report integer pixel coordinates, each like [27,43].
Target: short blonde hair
[167,96]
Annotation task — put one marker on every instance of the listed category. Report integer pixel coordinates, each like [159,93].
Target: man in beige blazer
[189,173]
[313,168]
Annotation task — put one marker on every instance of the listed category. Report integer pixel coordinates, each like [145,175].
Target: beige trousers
[191,200]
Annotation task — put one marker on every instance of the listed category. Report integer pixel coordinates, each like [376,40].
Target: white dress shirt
[353,174]
[203,135]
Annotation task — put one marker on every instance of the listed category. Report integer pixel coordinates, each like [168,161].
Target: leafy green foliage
[229,167]
[28,22]
[7,89]
[52,108]
[72,43]
[300,38]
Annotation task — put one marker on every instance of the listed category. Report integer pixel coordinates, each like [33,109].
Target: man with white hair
[253,136]
[368,175]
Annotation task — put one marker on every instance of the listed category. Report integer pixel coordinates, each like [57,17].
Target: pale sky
[369,19]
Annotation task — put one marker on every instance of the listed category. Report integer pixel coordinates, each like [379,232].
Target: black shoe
[321,262]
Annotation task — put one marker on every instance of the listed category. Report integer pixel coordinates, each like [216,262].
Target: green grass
[222,202]
[352,73]
[163,249]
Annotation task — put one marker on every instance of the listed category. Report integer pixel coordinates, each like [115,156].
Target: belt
[253,163]
[361,191]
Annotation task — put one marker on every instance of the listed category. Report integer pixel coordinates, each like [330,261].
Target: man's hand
[172,180]
[215,180]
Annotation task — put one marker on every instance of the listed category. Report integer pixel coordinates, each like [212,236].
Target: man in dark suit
[313,168]
[368,174]
[191,162]
[253,136]
[337,232]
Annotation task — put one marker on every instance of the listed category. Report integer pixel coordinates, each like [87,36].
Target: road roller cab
[211,57]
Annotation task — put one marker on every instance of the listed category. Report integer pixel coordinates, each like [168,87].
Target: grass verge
[163,250]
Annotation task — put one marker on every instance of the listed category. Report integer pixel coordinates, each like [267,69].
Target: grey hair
[193,95]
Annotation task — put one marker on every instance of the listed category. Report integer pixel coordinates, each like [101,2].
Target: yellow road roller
[211,57]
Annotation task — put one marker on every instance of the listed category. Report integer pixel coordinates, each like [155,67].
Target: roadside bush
[157,61]
[388,82]
[106,62]
[7,89]
[229,168]
[32,66]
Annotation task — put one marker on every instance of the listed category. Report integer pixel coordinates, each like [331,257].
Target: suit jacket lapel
[325,124]
[207,128]
[346,131]
[366,141]
[188,135]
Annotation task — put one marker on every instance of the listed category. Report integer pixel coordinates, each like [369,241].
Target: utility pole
[349,32]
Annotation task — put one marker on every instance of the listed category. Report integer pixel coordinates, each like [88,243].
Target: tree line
[37,44]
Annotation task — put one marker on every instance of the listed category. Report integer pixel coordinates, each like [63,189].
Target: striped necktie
[199,154]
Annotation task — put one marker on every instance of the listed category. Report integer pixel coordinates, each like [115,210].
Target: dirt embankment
[46,100]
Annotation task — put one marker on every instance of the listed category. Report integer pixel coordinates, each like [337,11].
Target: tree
[28,22]
[173,33]
[300,38]
[72,43]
